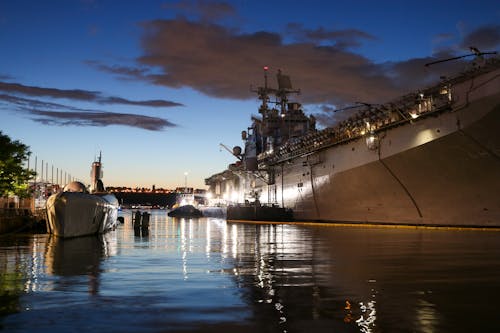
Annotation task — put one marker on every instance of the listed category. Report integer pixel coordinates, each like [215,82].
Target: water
[206,275]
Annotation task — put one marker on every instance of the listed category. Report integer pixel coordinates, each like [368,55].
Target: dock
[21,216]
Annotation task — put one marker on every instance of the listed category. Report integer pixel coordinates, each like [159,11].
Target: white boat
[76,212]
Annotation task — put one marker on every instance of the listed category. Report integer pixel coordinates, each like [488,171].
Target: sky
[157,86]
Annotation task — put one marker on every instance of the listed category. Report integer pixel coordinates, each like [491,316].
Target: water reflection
[366,280]
[79,256]
[19,271]
[208,275]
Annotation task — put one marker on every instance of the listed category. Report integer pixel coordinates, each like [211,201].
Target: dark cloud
[5,77]
[219,62]
[410,74]
[58,114]
[151,103]
[122,71]
[485,38]
[223,62]
[50,113]
[28,104]
[340,38]
[76,94]
[328,115]
[100,119]
[79,95]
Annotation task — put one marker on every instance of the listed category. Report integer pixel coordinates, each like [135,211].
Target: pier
[21,216]
[29,214]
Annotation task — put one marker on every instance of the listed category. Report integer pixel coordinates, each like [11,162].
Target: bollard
[145,220]
[137,220]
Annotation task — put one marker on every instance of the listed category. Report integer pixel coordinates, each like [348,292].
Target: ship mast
[281,94]
[96,175]
[263,93]
[278,124]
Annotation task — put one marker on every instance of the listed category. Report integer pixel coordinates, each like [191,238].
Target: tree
[13,176]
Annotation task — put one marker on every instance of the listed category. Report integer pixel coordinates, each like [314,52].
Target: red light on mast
[266,68]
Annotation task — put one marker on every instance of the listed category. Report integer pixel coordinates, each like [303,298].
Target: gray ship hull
[453,180]
[443,170]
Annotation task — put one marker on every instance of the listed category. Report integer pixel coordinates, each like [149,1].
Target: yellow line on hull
[367,224]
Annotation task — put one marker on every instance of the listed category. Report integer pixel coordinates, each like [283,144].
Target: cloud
[223,62]
[79,95]
[151,103]
[27,103]
[122,71]
[49,113]
[327,114]
[100,119]
[5,77]
[340,38]
[485,38]
[76,94]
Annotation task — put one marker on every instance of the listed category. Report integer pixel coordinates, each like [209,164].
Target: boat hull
[451,180]
[73,214]
[112,205]
[259,213]
[186,211]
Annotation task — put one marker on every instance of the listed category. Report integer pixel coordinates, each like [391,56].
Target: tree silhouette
[13,176]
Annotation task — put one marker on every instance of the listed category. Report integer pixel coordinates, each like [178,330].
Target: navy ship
[431,157]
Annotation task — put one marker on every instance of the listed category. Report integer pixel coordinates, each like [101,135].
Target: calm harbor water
[207,275]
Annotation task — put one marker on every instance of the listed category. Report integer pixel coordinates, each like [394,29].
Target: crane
[232,152]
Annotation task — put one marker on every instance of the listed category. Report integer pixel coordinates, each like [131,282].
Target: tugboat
[430,157]
[76,212]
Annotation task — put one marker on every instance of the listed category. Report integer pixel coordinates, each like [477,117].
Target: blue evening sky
[157,85]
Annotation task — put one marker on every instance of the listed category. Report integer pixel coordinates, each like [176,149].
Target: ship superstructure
[430,157]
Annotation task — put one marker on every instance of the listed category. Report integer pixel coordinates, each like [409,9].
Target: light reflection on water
[209,275]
